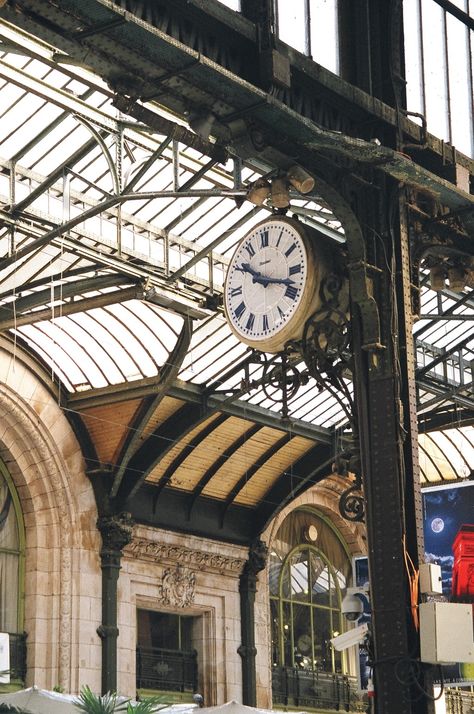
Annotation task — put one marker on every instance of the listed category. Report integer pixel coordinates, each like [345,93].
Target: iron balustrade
[312,689]
[166,670]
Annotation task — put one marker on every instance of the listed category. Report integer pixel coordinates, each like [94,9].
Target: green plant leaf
[91,703]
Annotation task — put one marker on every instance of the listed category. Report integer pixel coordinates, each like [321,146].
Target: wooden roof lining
[243,460]
[166,408]
[190,442]
[108,427]
[207,451]
[254,491]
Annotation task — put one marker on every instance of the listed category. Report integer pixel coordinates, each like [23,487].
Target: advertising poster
[448,524]
[448,521]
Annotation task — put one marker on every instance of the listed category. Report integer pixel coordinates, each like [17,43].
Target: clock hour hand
[262,279]
[247,268]
[274,281]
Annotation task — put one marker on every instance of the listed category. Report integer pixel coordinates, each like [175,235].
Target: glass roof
[112,236]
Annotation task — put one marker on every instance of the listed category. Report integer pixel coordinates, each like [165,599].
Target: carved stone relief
[177,587]
[144,549]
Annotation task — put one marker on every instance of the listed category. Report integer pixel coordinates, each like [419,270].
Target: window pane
[303,644]
[322,637]
[8,592]
[300,577]
[275,632]
[319,581]
[460,87]
[435,69]
[324,33]
[292,23]
[413,57]
[287,636]
[274,574]
[8,523]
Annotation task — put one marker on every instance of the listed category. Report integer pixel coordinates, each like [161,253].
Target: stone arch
[44,460]
[324,496]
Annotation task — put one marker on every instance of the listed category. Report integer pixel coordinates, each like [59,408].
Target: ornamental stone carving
[177,587]
[144,549]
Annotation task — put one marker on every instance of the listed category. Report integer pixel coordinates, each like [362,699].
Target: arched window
[11,556]
[309,570]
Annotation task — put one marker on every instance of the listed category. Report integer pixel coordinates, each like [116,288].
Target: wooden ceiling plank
[231,449]
[250,472]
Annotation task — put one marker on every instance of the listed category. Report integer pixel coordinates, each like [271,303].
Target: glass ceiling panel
[59,124]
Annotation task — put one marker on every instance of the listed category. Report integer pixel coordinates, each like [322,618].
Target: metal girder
[72,307]
[245,410]
[210,86]
[166,376]
[447,394]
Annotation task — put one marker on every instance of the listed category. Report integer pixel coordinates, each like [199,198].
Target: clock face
[267,283]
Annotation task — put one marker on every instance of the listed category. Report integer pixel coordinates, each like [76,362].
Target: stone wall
[62,575]
[186,575]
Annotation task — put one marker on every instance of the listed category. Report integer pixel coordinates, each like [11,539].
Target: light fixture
[310,533]
[202,124]
[300,179]
[280,195]
[258,192]
[437,277]
[457,277]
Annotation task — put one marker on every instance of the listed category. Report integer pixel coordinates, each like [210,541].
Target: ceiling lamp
[258,192]
[280,194]
[202,125]
[300,179]
[437,277]
[457,277]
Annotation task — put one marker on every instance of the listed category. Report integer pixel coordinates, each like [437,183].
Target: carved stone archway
[42,456]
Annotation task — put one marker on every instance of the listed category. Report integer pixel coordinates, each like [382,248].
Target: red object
[462,586]
[370,689]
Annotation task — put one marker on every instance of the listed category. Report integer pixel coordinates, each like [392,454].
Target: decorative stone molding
[144,549]
[177,587]
[27,428]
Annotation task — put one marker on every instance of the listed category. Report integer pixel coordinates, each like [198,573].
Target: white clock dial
[267,282]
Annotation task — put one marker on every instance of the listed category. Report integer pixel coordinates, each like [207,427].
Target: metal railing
[312,689]
[166,670]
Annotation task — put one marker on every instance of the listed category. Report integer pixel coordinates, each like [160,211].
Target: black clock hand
[247,268]
[276,281]
[262,279]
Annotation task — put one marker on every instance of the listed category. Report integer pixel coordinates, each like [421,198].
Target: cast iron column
[116,532]
[386,405]
[258,552]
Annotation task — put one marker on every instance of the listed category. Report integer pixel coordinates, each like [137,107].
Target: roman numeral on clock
[291,292]
[239,310]
[290,249]
[236,291]
[250,250]
[265,323]
[250,322]
[264,239]
[295,269]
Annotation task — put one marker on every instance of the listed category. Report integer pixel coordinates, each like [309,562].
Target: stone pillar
[256,562]
[116,532]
